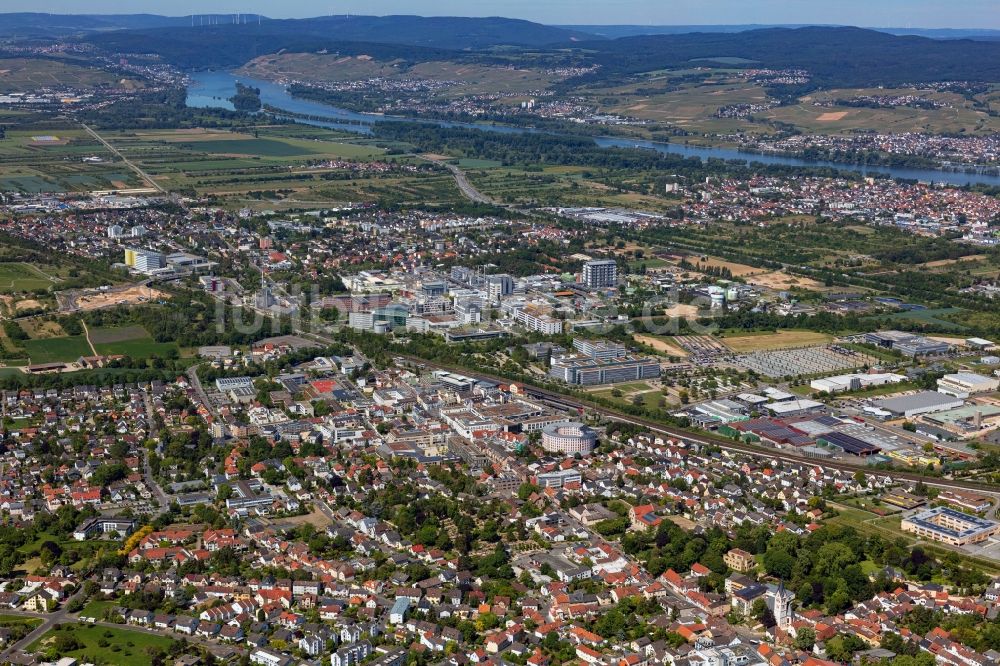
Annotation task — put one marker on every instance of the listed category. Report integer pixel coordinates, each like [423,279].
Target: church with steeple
[779,600]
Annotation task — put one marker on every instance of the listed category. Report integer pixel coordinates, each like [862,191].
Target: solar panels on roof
[851,444]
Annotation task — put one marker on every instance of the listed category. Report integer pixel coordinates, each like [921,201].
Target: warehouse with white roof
[964,384]
[854,382]
[925,402]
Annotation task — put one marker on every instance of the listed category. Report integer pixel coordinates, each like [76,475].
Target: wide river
[213,89]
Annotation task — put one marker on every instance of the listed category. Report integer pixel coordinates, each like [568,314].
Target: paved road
[468,189]
[707,439]
[147,470]
[131,165]
[48,620]
[197,640]
[325,509]
[63,615]
[199,390]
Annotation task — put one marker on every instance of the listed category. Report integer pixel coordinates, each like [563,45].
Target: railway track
[561,401]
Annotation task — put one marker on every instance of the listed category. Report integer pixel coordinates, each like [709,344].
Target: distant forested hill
[220,48]
[35,25]
[234,45]
[626,30]
[834,56]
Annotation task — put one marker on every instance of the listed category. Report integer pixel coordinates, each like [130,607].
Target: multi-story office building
[585,371]
[147,262]
[601,350]
[569,438]
[498,286]
[533,320]
[950,526]
[468,312]
[600,273]
[907,343]
[433,289]
[559,478]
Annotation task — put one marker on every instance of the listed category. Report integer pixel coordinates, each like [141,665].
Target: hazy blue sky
[876,13]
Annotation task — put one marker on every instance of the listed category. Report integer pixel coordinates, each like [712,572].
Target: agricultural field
[957,114]
[131,341]
[57,350]
[52,160]
[946,263]
[669,98]
[471,163]
[102,645]
[272,164]
[318,67]
[777,340]
[239,147]
[558,186]
[49,343]
[662,344]
[691,107]
[736,269]
[473,78]
[781,281]
[20,277]
[117,334]
[29,74]
[41,329]
[431,189]
[935,316]
[648,263]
